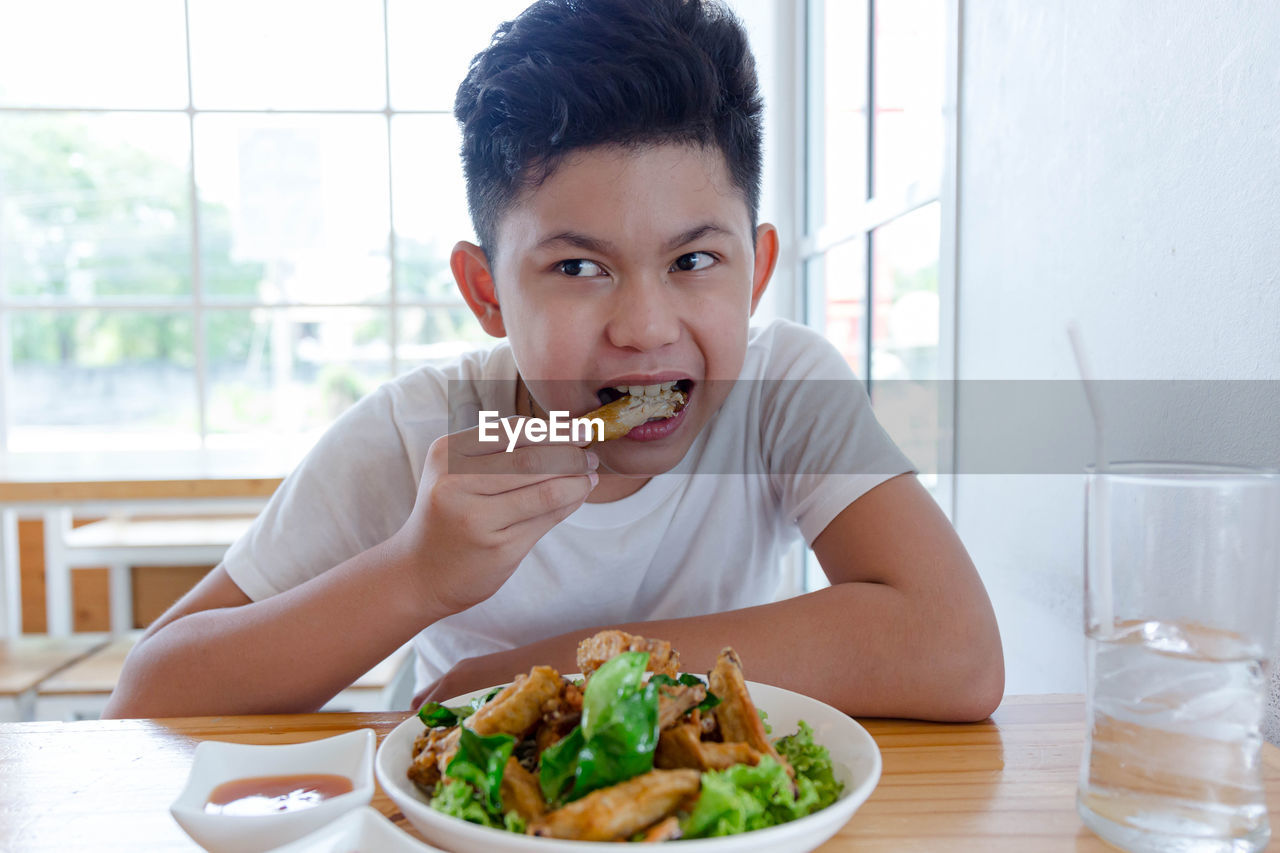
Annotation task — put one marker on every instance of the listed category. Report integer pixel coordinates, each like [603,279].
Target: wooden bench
[29,659]
[121,542]
[80,691]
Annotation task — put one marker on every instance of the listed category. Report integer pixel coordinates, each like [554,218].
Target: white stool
[121,542]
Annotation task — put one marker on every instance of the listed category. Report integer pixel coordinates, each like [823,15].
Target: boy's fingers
[533,529]
[537,499]
[501,472]
[468,442]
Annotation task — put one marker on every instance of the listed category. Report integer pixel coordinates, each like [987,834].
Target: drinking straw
[1090,393]
[1102,527]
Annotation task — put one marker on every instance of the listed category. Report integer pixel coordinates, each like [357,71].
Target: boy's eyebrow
[592,244]
[577,240]
[697,233]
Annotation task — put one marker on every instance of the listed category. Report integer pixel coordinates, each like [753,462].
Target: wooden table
[98,483]
[1007,784]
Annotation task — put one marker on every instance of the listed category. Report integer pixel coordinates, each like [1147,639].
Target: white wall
[1119,164]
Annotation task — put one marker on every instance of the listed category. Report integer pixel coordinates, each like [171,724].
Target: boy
[612,155]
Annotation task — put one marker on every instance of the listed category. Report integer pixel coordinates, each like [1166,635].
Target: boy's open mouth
[626,407]
[676,391]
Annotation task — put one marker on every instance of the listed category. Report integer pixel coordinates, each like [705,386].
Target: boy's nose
[644,315]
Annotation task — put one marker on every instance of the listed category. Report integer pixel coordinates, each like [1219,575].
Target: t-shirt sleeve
[352,491]
[825,447]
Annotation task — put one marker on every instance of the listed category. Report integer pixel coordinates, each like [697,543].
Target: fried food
[736,714]
[667,829]
[619,811]
[626,413]
[520,791]
[542,709]
[681,746]
[674,701]
[514,711]
[600,648]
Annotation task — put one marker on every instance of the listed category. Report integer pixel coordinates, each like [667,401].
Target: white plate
[854,757]
[362,829]
[349,754]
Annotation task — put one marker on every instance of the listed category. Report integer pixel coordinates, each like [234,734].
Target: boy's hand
[480,509]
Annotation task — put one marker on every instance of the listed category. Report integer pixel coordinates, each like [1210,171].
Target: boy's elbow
[977,682]
[125,702]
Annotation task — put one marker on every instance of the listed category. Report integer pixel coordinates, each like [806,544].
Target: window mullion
[393,325]
[197,278]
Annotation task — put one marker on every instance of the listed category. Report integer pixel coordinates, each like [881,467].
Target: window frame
[196,305]
[878,210]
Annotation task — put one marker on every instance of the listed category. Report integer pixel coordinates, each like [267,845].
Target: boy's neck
[612,487]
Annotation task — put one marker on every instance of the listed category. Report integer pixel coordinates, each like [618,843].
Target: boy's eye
[580,268]
[693,261]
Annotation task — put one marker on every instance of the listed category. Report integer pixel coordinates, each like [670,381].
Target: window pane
[837,111]
[431,204]
[910,53]
[98,380]
[295,208]
[904,282]
[86,53]
[434,335]
[94,206]
[287,54]
[842,272]
[275,371]
[432,45]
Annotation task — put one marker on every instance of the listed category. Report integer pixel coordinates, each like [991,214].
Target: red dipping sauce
[260,795]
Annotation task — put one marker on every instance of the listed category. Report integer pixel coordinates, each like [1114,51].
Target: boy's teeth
[647,390]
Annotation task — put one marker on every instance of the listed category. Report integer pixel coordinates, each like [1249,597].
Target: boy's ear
[766,260]
[471,271]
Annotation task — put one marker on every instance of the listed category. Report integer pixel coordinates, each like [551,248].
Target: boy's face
[625,268]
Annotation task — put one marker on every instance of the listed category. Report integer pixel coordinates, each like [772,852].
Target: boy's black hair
[570,74]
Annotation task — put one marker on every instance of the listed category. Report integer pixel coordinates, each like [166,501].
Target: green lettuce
[480,761]
[616,738]
[812,763]
[742,798]
[457,798]
[472,789]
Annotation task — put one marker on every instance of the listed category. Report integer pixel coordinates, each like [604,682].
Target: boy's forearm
[288,653]
[865,648]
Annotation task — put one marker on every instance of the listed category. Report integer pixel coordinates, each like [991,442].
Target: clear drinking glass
[1180,602]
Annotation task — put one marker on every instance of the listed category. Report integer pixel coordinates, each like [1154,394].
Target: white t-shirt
[795,443]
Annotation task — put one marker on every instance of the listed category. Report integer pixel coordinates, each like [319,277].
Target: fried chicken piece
[679,746]
[736,714]
[520,791]
[559,715]
[517,709]
[428,738]
[626,413]
[676,701]
[667,829]
[598,649]
[514,711]
[619,811]
[424,771]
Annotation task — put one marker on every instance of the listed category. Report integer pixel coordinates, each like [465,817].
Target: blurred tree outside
[81,220]
[95,219]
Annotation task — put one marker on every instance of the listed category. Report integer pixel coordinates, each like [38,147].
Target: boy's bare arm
[215,652]
[905,630]
[477,514]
